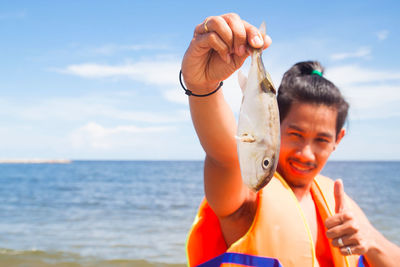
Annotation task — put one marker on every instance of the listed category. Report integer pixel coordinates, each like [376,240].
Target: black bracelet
[189,93]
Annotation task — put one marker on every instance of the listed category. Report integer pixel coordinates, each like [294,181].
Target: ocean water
[138,213]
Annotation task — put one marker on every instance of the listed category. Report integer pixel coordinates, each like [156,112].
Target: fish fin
[242,78]
[263,28]
[246,138]
[269,82]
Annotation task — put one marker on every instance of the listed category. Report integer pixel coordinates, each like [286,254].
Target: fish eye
[265,163]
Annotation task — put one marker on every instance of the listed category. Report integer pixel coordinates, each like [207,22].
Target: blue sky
[99,79]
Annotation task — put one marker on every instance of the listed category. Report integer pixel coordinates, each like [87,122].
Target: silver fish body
[258,133]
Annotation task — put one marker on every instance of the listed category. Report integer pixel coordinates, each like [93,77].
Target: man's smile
[301,167]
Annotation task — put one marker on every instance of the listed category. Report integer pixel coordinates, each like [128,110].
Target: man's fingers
[347,228]
[218,25]
[254,37]
[267,41]
[334,221]
[203,27]
[213,41]
[239,33]
[342,241]
[338,219]
[352,250]
[339,196]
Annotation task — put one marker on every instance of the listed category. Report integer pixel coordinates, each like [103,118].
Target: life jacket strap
[361,261]
[250,260]
[242,259]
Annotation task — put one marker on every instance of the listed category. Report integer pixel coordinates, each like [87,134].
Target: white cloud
[369,102]
[87,107]
[162,73]
[176,95]
[382,35]
[94,135]
[371,93]
[157,72]
[143,116]
[363,52]
[110,49]
[351,74]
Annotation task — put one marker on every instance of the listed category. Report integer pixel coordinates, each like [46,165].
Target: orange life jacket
[278,236]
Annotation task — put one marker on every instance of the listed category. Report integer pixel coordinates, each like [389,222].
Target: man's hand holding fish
[219,47]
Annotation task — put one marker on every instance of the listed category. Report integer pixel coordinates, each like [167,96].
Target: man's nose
[306,153]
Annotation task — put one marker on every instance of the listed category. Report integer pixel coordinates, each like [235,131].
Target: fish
[258,130]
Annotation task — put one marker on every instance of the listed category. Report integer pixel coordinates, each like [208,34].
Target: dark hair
[301,84]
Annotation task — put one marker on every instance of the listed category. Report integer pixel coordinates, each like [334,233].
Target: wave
[37,258]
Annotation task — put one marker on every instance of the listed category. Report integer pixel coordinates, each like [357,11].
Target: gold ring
[348,250]
[205,25]
[340,242]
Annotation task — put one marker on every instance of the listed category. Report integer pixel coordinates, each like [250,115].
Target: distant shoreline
[35,161]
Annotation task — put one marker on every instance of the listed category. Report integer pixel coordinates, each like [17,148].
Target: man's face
[308,137]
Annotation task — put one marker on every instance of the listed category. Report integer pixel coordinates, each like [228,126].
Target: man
[300,218]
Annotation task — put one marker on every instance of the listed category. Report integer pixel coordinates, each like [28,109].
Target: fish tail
[263,76]
[263,28]
[256,55]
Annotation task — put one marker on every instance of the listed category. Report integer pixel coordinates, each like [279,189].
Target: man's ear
[340,136]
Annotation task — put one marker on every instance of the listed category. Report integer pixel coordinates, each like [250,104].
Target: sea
[138,213]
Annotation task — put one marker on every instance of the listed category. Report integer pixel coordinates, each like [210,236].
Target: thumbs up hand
[338,191]
[347,232]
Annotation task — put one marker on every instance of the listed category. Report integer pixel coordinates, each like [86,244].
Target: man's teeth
[300,167]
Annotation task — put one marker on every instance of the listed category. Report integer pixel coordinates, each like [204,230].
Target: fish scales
[258,133]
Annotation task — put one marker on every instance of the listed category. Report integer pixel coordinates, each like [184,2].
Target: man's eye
[295,134]
[323,140]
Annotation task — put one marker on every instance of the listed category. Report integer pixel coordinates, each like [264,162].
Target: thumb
[338,191]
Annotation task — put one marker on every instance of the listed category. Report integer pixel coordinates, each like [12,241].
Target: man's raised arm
[219,47]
